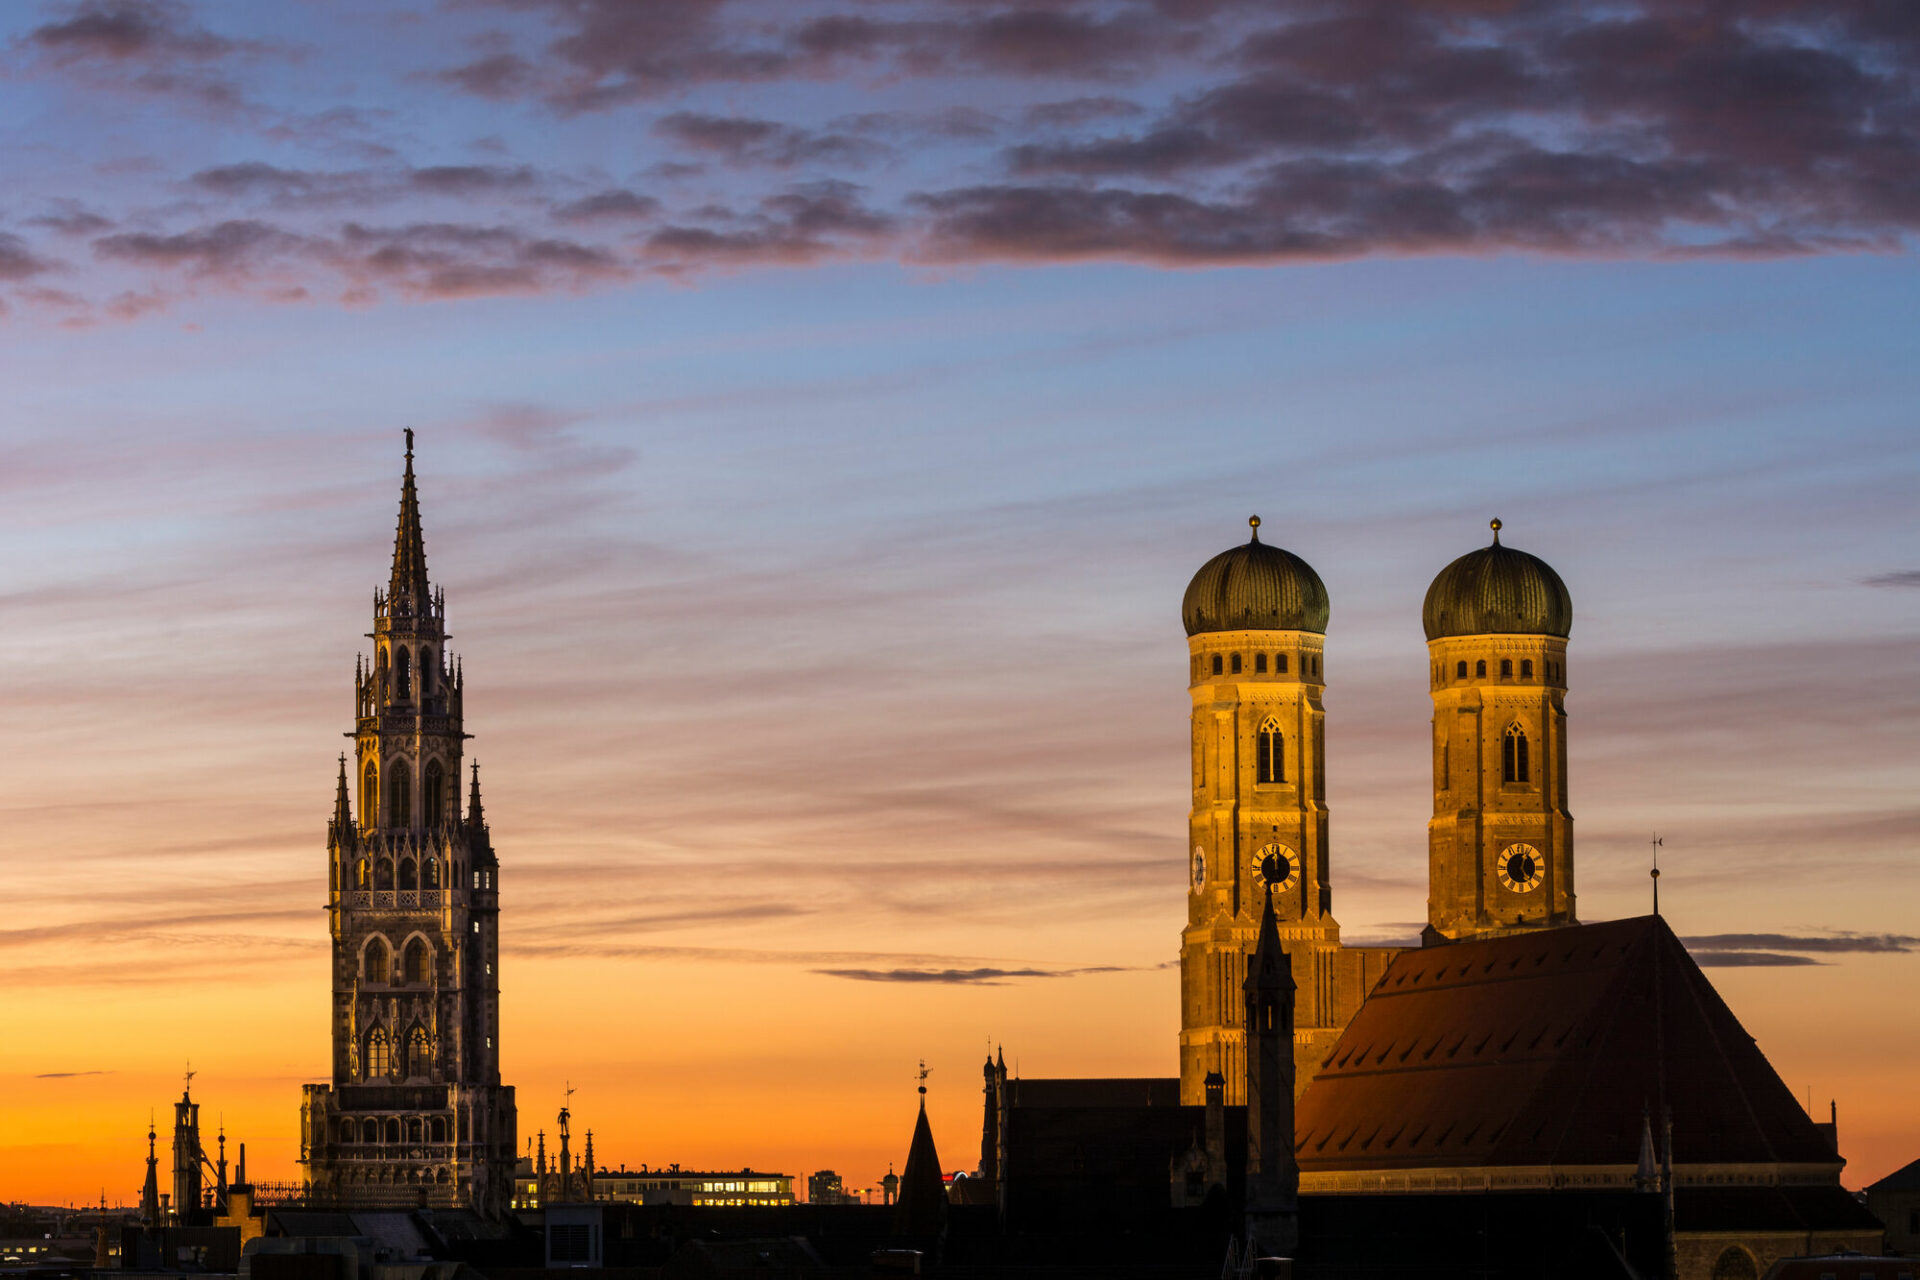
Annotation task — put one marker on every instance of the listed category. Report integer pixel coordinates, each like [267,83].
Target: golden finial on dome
[1494,524]
[1253,522]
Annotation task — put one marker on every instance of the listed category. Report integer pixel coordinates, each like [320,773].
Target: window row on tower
[435,792]
[401,873]
[1553,671]
[390,1057]
[1236,664]
[393,1130]
[415,968]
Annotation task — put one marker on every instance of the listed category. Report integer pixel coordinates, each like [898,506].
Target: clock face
[1280,867]
[1522,868]
[1199,866]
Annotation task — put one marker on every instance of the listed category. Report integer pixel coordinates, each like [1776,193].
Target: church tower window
[383,874]
[1513,755]
[1506,666]
[436,791]
[430,874]
[407,880]
[1460,669]
[1270,753]
[1526,668]
[370,794]
[1280,663]
[1260,664]
[1480,667]
[1236,664]
[402,677]
[1216,664]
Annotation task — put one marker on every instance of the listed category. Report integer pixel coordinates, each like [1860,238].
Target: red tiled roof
[1544,1049]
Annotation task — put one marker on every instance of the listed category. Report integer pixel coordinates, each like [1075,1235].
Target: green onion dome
[1255,587]
[1498,591]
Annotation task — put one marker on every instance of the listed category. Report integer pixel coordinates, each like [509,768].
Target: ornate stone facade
[415,1113]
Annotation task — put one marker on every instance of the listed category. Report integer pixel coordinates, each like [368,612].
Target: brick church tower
[416,1113]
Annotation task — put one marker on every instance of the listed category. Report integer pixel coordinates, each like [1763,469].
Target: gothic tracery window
[1270,753]
[370,795]
[400,795]
[379,1053]
[436,794]
[407,877]
[1513,755]
[417,962]
[419,1053]
[376,964]
[402,677]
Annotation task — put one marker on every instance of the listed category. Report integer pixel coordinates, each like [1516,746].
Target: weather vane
[925,1071]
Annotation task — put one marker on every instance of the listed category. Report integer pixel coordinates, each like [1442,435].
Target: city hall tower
[415,1112]
[1500,845]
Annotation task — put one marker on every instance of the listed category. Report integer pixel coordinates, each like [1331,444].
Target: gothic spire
[408,593]
[342,812]
[475,818]
[1271,968]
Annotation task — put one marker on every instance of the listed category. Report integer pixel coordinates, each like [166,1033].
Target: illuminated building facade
[415,1111]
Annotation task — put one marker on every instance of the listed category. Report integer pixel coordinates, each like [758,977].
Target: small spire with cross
[1656,842]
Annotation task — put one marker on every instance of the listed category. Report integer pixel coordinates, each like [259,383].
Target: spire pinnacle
[1253,522]
[407,592]
[342,810]
[1494,524]
[474,814]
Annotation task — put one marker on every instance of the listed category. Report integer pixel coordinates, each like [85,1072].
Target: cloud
[69,1075]
[613,205]
[17,260]
[1903,578]
[740,140]
[1748,960]
[801,224]
[1815,943]
[150,46]
[984,976]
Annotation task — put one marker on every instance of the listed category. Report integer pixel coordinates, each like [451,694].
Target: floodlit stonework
[415,1113]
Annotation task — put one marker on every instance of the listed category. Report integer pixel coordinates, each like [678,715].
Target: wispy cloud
[1903,578]
[984,976]
[69,1075]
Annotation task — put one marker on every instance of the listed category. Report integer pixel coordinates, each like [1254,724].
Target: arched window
[417,963]
[393,1135]
[400,796]
[1270,753]
[1513,755]
[370,795]
[1506,666]
[413,1135]
[349,1131]
[419,1053]
[430,874]
[1236,664]
[437,1128]
[379,1053]
[383,874]
[363,874]
[1460,669]
[1260,664]
[1526,668]
[1480,668]
[436,794]
[376,962]
[407,880]
[1735,1263]
[426,672]
[369,1130]
[402,677]
[1216,664]
[1280,663]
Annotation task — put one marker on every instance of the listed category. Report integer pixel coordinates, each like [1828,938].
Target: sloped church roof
[1549,1048]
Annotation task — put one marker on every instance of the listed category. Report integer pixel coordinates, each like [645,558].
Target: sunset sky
[821,407]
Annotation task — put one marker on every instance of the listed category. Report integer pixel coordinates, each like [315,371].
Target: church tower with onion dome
[1500,845]
[415,1113]
[1256,622]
